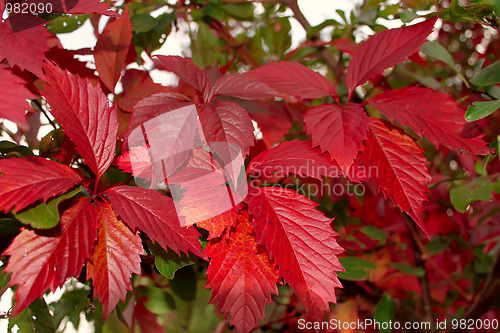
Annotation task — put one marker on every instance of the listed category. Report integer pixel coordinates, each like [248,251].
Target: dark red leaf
[241,86]
[26,180]
[41,262]
[186,70]
[227,122]
[154,214]
[294,79]
[240,275]
[20,33]
[402,173]
[13,103]
[116,256]
[297,157]
[90,7]
[385,49]
[85,115]
[429,113]
[301,242]
[218,224]
[111,50]
[338,130]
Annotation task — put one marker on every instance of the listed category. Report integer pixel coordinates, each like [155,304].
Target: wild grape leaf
[294,79]
[26,180]
[89,7]
[116,256]
[241,86]
[186,70]
[44,261]
[14,104]
[129,99]
[218,224]
[154,106]
[301,242]
[85,115]
[385,49]
[22,32]
[429,113]
[155,215]
[338,130]
[111,50]
[297,157]
[227,122]
[241,276]
[402,168]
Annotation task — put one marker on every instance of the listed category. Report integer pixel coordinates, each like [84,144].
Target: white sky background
[316,11]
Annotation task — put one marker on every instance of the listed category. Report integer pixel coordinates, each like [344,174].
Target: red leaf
[429,113]
[301,242]
[155,215]
[297,157]
[218,224]
[20,33]
[294,79]
[240,275]
[38,262]
[185,69]
[116,256]
[241,86]
[385,49]
[111,50]
[338,130]
[91,7]
[402,168]
[85,115]
[134,96]
[145,319]
[155,105]
[26,180]
[13,103]
[227,122]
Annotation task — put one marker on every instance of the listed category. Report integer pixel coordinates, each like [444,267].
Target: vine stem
[428,259]
[324,54]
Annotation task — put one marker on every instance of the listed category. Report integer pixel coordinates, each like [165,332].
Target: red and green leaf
[44,261]
[116,256]
[240,275]
[24,181]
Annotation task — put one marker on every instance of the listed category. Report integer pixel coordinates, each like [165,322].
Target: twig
[39,106]
[428,259]
[324,54]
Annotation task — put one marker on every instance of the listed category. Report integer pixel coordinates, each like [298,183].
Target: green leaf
[436,246]
[169,262]
[7,147]
[384,312]
[407,16]
[159,301]
[4,279]
[114,325]
[240,11]
[184,283]
[480,110]
[478,189]
[67,23]
[496,7]
[435,50]
[417,271]
[45,215]
[72,303]
[487,76]
[142,22]
[35,318]
[356,269]
[375,233]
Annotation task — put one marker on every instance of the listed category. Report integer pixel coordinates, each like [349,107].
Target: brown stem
[324,54]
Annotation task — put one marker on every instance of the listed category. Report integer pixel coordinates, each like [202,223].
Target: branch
[324,54]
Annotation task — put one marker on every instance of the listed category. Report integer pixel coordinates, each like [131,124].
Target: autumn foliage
[366,189]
